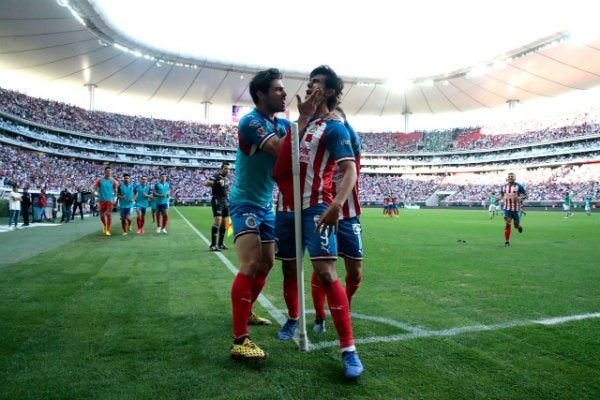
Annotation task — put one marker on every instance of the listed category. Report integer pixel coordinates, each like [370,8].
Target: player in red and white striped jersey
[512,195]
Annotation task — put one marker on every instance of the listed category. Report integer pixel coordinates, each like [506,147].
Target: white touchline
[271,309]
[417,333]
[413,332]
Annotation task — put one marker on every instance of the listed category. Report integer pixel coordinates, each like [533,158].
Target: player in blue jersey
[126,195]
[143,194]
[161,192]
[260,134]
[105,189]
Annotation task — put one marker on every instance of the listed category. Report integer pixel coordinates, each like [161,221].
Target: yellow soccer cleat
[255,319]
[247,351]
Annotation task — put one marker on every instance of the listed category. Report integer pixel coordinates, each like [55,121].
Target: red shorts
[106,206]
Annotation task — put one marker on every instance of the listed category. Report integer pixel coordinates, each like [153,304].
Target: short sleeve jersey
[324,144]
[351,207]
[220,192]
[511,194]
[253,165]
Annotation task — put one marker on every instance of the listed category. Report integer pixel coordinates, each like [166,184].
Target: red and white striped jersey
[510,195]
[324,144]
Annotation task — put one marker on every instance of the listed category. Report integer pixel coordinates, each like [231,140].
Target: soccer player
[161,192]
[105,189]
[394,207]
[387,205]
[512,194]
[220,206]
[260,135]
[568,203]
[127,197]
[349,236]
[143,195]
[324,145]
[493,208]
[587,204]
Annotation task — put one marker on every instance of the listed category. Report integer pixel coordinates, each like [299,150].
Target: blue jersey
[127,191]
[142,192]
[253,166]
[161,188]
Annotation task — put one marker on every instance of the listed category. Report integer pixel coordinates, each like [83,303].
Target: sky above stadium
[408,39]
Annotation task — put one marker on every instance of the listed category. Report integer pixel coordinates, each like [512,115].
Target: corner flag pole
[303,344]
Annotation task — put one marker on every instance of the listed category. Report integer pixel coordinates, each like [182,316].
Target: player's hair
[261,82]
[225,163]
[332,81]
[125,175]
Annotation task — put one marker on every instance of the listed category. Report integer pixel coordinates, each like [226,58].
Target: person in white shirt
[14,206]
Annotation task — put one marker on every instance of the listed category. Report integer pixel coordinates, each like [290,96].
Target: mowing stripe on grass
[413,332]
[271,309]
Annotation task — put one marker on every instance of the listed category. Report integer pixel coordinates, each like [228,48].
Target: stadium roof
[70,44]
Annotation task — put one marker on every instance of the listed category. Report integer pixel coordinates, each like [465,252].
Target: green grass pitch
[444,311]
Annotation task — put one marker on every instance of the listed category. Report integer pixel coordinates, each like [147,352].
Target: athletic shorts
[515,215]
[162,207]
[141,210]
[125,212]
[349,238]
[319,247]
[220,208]
[250,218]
[106,206]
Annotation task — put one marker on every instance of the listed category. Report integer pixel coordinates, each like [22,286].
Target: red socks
[318,296]
[340,312]
[290,294]
[352,286]
[257,285]
[241,304]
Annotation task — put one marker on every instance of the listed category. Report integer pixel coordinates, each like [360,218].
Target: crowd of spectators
[34,170]
[145,129]
[29,162]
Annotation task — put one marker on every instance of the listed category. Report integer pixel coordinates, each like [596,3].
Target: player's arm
[155,192]
[273,145]
[330,218]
